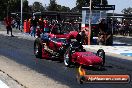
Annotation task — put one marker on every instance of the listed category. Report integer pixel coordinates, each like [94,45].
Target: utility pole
[90,16]
[113,23]
[21,14]
[7,8]
[101,11]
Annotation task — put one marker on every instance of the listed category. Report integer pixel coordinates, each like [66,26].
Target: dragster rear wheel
[38,48]
[67,60]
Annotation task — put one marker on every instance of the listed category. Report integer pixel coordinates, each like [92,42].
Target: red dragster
[71,34]
[71,52]
[76,54]
[58,32]
[47,46]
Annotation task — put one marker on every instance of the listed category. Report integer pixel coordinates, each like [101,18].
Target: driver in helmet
[78,44]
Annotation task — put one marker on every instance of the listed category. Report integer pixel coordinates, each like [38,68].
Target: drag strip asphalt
[17,59]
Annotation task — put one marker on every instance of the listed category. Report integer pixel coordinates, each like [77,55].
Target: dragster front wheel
[67,60]
[101,54]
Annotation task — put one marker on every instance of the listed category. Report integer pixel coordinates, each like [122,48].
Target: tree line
[11,6]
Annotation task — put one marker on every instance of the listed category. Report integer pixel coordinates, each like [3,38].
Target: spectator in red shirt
[40,23]
[8,21]
[46,26]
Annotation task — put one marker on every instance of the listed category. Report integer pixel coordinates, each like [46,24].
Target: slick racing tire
[101,54]
[38,48]
[67,60]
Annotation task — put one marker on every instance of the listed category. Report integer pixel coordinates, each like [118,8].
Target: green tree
[37,7]
[65,9]
[3,9]
[12,6]
[8,6]
[15,5]
[52,6]
[25,6]
[75,9]
[127,10]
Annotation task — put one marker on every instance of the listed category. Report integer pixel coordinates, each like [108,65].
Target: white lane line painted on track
[123,50]
[3,85]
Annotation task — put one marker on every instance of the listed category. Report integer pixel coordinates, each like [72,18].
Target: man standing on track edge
[34,25]
[8,21]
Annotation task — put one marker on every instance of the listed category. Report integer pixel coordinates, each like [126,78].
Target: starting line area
[122,50]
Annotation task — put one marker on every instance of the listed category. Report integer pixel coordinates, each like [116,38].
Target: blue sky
[120,4]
